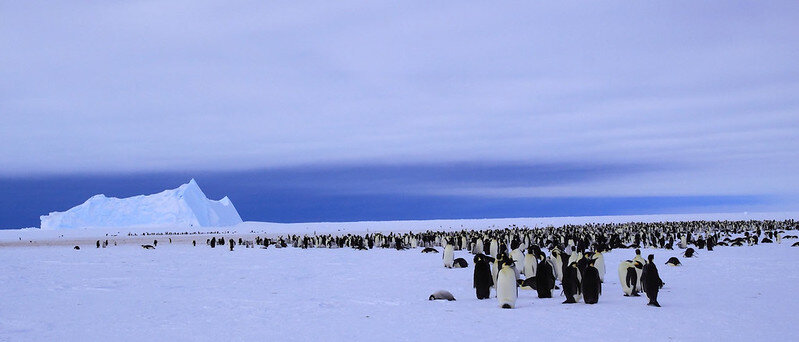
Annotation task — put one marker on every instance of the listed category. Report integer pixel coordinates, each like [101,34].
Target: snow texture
[186,206]
[126,293]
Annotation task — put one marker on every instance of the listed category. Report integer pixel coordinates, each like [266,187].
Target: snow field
[179,292]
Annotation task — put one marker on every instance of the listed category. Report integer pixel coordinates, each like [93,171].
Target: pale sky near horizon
[677,98]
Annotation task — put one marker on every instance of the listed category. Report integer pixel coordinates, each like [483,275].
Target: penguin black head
[651,257]
[637,252]
[432,297]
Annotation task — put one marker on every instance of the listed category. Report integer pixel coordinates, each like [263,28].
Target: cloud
[706,91]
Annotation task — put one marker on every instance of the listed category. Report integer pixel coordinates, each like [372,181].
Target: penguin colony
[508,258]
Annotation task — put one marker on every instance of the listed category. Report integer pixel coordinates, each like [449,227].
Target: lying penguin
[441,295]
[673,261]
[429,250]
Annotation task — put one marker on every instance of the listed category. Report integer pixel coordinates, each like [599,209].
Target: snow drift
[184,206]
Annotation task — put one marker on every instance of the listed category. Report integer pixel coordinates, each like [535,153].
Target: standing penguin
[651,281]
[507,287]
[449,255]
[482,276]
[599,263]
[530,262]
[628,278]
[591,284]
[557,263]
[544,279]
[518,258]
[571,283]
[494,248]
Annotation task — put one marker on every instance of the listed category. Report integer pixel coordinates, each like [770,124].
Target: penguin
[495,266]
[483,281]
[530,263]
[689,253]
[429,250]
[449,255]
[651,281]
[599,263]
[507,288]
[478,247]
[571,284]
[591,284]
[628,278]
[795,244]
[147,246]
[544,279]
[460,263]
[77,248]
[441,294]
[557,264]
[673,261]
[518,260]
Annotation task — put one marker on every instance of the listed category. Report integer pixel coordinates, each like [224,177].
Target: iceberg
[186,206]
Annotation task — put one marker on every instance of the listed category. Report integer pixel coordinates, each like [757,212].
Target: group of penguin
[576,253]
[581,274]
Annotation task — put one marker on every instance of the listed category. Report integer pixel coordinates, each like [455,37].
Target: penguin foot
[655,304]
[506,306]
[569,301]
[636,295]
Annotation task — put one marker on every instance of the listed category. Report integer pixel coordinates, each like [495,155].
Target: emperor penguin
[544,279]
[441,294]
[507,288]
[494,248]
[483,281]
[778,237]
[478,247]
[495,266]
[683,242]
[449,255]
[571,284]
[673,261]
[591,284]
[518,261]
[599,263]
[651,281]
[557,264]
[574,257]
[628,278]
[530,263]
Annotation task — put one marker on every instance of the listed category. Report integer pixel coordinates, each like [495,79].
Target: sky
[355,110]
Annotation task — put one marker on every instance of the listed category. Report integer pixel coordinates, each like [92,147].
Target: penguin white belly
[494,248]
[558,268]
[449,256]
[518,258]
[574,257]
[600,266]
[638,286]
[623,278]
[530,265]
[478,247]
[507,292]
[494,273]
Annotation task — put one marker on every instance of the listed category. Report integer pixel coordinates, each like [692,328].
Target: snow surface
[128,293]
[185,206]
[180,292]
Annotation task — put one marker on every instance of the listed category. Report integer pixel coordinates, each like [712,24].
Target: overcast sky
[684,98]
